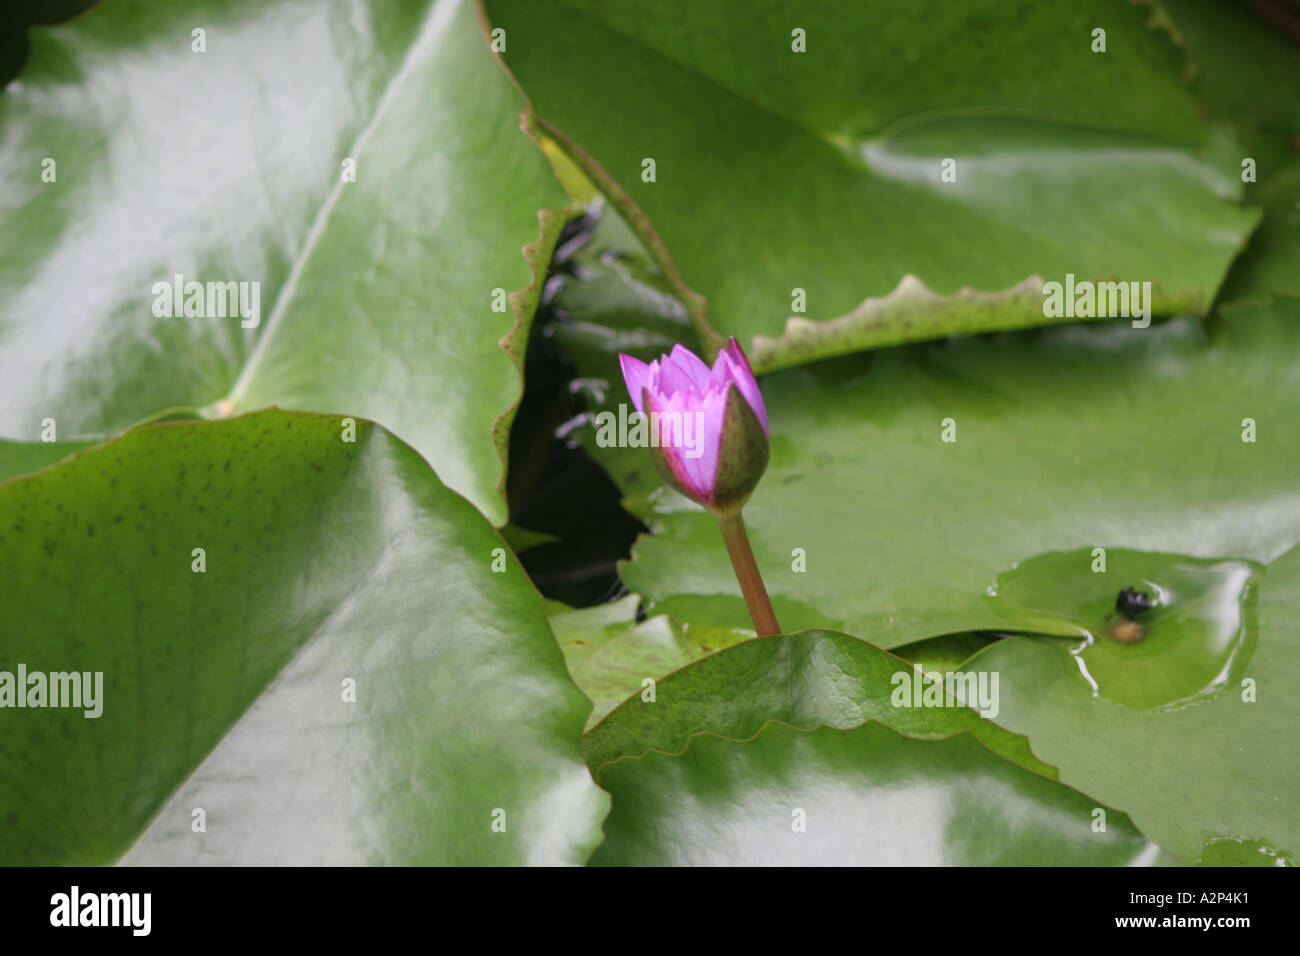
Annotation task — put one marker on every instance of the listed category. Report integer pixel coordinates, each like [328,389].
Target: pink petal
[743,376]
[701,475]
[715,412]
[706,431]
[636,375]
[692,365]
[687,471]
[672,378]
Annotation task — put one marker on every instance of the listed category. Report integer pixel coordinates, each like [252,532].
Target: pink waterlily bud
[708,427]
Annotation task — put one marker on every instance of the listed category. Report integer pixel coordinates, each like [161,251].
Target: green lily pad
[947,652]
[1215,782]
[19,458]
[805,680]
[826,167]
[1272,261]
[1247,69]
[343,679]
[524,539]
[866,796]
[378,284]
[610,654]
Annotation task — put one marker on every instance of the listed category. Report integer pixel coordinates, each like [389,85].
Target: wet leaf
[1187,638]
[862,797]
[1247,69]
[805,680]
[375,297]
[1215,781]
[778,172]
[344,680]
[1272,261]
[18,458]
[610,654]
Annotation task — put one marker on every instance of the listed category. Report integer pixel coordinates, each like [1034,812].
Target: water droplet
[1192,641]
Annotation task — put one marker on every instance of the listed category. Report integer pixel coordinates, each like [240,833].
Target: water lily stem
[751,582]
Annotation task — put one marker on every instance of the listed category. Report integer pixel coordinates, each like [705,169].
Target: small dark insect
[1133,603]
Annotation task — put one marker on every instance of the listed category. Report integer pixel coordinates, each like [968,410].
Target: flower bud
[708,427]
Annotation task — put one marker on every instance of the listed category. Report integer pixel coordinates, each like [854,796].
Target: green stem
[751,582]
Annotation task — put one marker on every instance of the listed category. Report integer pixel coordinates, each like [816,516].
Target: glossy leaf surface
[357,166]
[338,677]
[862,797]
[913,149]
